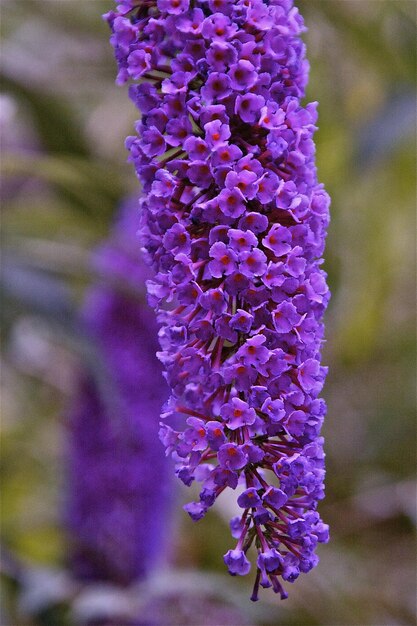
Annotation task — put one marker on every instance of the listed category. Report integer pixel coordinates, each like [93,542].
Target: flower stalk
[119,480]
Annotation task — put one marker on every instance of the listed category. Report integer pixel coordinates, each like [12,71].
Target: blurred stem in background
[63,127]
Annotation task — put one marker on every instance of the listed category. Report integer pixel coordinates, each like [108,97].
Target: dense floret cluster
[234,223]
[119,479]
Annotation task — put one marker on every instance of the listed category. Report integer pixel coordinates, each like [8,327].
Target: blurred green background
[63,124]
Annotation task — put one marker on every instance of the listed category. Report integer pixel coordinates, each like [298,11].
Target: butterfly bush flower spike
[234,223]
[119,481]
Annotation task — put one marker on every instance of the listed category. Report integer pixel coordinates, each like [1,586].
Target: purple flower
[232,457]
[296,423]
[218,27]
[296,263]
[272,116]
[213,300]
[196,434]
[197,148]
[233,224]
[196,510]
[241,321]
[163,185]
[254,222]
[190,22]
[217,87]
[173,7]
[177,239]
[236,562]
[231,202]
[215,435]
[177,131]
[311,375]
[237,413]
[274,409]
[253,352]
[241,375]
[236,527]
[242,241]
[248,107]
[138,63]
[118,479]
[274,275]
[153,142]
[226,154]
[269,560]
[217,133]
[285,317]
[244,181]
[200,174]
[267,187]
[253,263]
[278,240]
[275,497]
[249,499]
[224,260]
[220,55]
[223,329]
[242,75]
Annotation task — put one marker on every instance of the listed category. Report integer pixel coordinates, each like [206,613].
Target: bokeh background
[63,124]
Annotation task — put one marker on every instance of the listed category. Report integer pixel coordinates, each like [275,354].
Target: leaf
[86,184]
[53,118]
[368,38]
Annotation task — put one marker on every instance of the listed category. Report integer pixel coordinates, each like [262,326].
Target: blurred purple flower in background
[234,223]
[118,500]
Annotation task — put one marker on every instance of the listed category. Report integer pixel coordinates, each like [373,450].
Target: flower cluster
[234,223]
[119,485]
